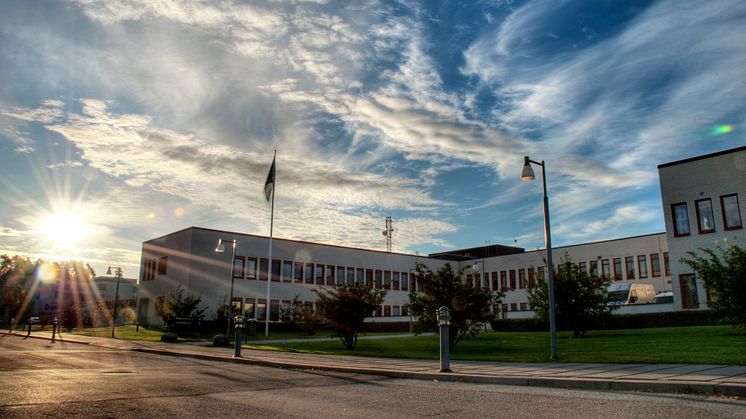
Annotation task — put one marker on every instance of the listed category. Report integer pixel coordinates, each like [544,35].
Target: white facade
[188,259]
[703,202]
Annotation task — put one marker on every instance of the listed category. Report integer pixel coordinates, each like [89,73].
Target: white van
[630,293]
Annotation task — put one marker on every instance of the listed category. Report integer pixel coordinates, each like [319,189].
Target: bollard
[444,323]
[12,323]
[54,328]
[29,327]
[137,327]
[239,321]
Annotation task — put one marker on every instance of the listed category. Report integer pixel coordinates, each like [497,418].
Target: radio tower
[387,233]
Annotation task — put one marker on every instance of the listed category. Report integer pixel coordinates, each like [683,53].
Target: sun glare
[65,229]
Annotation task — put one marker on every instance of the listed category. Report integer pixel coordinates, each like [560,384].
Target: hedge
[622,321]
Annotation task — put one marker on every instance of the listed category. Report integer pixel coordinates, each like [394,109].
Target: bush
[169,337]
[219,340]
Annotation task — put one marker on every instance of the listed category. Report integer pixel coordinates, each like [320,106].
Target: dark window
[319,275]
[617,269]
[379,279]
[404,284]
[666,266]
[705,217]
[512,279]
[308,274]
[630,262]
[583,267]
[655,264]
[369,277]
[329,275]
[395,281]
[605,271]
[642,263]
[340,275]
[298,272]
[238,266]
[503,280]
[494,281]
[731,212]
[680,219]
[287,271]
[162,265]
[594,269]
[521,278]
[250,268]
[263,267]
[350,279]
[360,276]
[689,297]
[276,266]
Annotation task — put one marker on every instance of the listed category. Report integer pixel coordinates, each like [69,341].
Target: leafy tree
[177,306]
[292,313]
[14,287]
[469,304]
[723,271]
[580,300]
[344,310]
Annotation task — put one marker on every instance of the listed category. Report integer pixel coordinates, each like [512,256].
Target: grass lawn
[121,332]
[694,344]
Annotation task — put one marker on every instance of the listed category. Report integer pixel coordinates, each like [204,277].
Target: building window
[250,268]
[666,265]
[287,271]
[248,308]
[605,270]
[513,306]
[340,275]
[689,298]
[162,265]
[350,278]
[630,262]
[680,219]
[261,309]
[642,263]
[405,310]
[369,277]
[731,212]
[617,269]
[540,272]
[521,278]
[148,270]
[360,276]
[494,281]
[387,310]
[238,267]
[524,306]
[705,217]
[298,272]
[395,282]
[395,311]
[263,267]
[274,310]
[655,264]
[503,280]
[330,275]
[583,267]
[594,269]
[404,282]
[319,279]
[308,274]
[276,266]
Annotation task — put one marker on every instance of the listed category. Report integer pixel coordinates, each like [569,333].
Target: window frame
[701,216]
[674,219]
[642,260]
[655,259]
[726,225]
[251,273]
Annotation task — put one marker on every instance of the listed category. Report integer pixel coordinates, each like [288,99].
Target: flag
[269,185]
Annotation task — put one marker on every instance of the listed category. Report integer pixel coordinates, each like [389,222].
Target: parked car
[630,293]
[663,298]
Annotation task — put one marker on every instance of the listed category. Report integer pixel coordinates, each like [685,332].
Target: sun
[65,229]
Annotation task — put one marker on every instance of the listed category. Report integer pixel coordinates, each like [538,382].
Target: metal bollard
[29,328]
[137,327]
[444,323]
[54,328]
[12,323]
[239,321]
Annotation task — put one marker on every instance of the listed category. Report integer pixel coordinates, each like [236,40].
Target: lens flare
[721,130]
[46,272]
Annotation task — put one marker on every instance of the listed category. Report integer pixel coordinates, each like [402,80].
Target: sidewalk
[728,380]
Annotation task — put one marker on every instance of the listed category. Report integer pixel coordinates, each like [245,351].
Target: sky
[121,121]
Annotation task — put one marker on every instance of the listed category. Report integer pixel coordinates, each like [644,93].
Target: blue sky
[121,121]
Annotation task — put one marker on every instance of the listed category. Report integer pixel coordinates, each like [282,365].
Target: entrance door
[688,287]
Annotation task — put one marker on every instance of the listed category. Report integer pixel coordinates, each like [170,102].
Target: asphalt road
[41,379]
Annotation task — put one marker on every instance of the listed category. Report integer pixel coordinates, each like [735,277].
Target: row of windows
[320,274]
[524,278]
[729,209]
[149,268]
[257,308]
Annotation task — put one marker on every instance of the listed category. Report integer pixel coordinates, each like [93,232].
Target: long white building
[702,200]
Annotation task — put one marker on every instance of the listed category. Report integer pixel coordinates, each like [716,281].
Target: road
[43,379]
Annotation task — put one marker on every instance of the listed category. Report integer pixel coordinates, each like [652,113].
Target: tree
[580,300]
[292,314]
[14,272]
[723,272]
[469,304]
[176,307]
[344,310]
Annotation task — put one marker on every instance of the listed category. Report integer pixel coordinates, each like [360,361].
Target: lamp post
[527,174]
[118,274]
[220,249]
[481,275]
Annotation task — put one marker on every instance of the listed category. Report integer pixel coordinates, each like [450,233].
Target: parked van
[630,293]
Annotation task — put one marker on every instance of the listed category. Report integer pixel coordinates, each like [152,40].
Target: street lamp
[221,249]
[527,174]
[118,274]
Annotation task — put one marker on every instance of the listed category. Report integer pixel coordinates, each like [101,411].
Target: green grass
[694,344]
[121,332]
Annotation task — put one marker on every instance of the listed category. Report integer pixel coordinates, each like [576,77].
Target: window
[666,266]
[287,271]
[248,308]
[629,262]
[238,267]
[689,297]
[395,282]
[250,268]
[369,277]
[378,279]
[395,311]
[274,310]
[512,279]
[404,281]
[330,275]
[731,212]
[594,269]
[494,281]
[605,271]
[705,218]
[524,306]
[504,307]
[521,278]
[655,264]
[263,267]
[642,263]
[148,270]
[350,278]
[162,265]
[617,269]
[261,310]
[680,219]
[308,274]
[276,266]
[319,279]
[340,275]
[503,280]
[387,310]
[405,310]
[513,306]
[298,272]
[583,267]
[540,272]
[360,276]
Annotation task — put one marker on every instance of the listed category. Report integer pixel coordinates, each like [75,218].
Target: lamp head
[527,173]
[221,246]
[108,271]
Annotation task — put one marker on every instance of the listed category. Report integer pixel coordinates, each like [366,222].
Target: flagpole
[271,227]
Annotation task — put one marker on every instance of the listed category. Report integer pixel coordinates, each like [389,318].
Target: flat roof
[702,157]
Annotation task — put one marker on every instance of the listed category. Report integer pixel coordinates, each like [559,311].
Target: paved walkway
[727,380]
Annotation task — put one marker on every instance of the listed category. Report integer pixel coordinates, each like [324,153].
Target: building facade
[703,202]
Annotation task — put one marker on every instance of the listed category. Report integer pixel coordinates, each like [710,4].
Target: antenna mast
[387,233]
